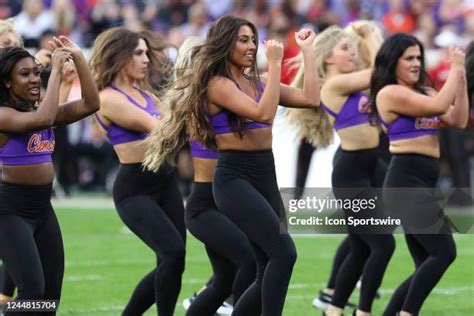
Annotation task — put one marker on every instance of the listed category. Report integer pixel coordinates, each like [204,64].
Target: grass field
[104,262]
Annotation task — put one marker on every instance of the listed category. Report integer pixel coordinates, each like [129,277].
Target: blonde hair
[314,124]
[7,26]
[169,135]
[353,31]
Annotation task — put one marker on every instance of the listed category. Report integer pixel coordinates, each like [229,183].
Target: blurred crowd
[86,161]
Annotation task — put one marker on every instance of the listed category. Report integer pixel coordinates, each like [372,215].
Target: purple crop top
[354,111]
[119,135]
[405,127]
[198,150]
[28,148]
[220,121]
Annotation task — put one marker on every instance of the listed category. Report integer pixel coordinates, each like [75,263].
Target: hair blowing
[187,96]
[169,135]
[314,124]
[212,60]
[112,51]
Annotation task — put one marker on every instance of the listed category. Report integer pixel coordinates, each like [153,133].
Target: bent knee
[450,254]
[286,250]
[174,260]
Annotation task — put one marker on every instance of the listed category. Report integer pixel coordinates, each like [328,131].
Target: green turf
[104,262]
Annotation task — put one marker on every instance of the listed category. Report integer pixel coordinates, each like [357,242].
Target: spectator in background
[418,7]
[9,8]
[451,12]
[217,9]
[64,16]
[32,21]
[468,34]
[353,12]
[105,15]
[426,29]
[197,25]
[82,29]
[171,14]
[260,16]
[280,30]
[398,18]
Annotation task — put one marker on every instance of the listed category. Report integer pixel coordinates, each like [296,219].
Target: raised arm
[224,93]
[458,114]
[402,100]
[309,97]
[68,78]
[90,103]
[349,83]
[115,107]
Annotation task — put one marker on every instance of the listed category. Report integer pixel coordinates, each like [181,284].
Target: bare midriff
[131,152]
[36,174]
[204,169]
[358,137]
[427,145]
[252,140]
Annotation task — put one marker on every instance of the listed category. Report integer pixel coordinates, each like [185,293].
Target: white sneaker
[322,301]
[225,309]
[187,301]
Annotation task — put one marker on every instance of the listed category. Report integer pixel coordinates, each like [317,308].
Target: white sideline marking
[94,263]
[84,203]
[124,262]
[79,278]
[189,259]
[441,291]
[91,310]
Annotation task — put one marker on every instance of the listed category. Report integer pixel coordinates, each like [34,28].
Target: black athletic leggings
[31,244]
[7,286]
[356,175]
[344,248]
[303,161]
[246,190]
[228,248]
[151,206]
[418,206]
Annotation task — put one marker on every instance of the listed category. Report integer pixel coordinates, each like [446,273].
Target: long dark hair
[9,56]
[470,71]
[386,63]
[213,59]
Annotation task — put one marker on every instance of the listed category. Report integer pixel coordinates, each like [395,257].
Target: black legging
[418,208]
[356,175]
[228,248]
[343,250]
[246,190]
[7,286]
[303,161]
[31,244]
[151,206]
